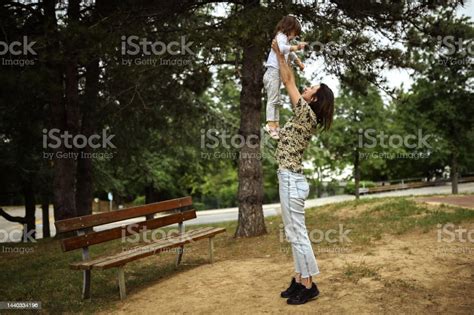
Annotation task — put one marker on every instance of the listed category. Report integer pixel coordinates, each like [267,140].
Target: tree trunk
[319,183]
[150,197]
[64,168]
[29,228]
[356,172]
[10,218]
[250,195]
[45,215]
[84,179]
[454,172]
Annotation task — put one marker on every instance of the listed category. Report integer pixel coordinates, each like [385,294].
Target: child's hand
[301,65]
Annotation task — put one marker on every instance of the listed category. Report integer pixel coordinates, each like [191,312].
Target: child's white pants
[272,83]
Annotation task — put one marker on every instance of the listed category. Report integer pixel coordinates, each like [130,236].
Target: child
[287,29]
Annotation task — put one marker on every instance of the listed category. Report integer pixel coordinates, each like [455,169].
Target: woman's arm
[287,76]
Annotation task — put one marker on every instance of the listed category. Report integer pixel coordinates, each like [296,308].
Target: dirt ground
[460,201]
[404,274]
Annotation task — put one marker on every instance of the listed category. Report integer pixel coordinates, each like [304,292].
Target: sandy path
[410,274]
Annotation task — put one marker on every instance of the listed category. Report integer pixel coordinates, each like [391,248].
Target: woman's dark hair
[287,25]
[323,106]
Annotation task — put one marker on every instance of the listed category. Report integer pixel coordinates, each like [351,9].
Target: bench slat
[141,254]
[142,247]
[146,250]
[86,265]
[93,238]
[152,248]
[92,220]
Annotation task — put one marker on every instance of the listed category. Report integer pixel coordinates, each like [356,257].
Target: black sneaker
[304,295]
[292,289]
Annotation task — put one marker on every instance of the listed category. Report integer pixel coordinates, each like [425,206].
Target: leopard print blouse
[295,137]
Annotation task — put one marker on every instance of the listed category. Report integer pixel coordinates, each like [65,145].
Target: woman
[312,110]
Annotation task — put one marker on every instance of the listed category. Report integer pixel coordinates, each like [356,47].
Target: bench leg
[86,284]
[180,255]
[211,249]
[121,283]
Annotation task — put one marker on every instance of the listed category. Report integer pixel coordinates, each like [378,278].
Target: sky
[395,78]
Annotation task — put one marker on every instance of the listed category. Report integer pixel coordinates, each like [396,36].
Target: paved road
[11,232]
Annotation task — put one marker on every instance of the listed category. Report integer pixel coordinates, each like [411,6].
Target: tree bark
[64,168]
[151,195]
[319,183]
[8,217]
[29,232]
[84,178]
[356,172]
[454,172]
[45,215]
[250,194]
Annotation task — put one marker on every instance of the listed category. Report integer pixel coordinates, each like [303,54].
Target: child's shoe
[273,132]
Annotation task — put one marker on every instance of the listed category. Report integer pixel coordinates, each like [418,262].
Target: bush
[350,187]
[140,200]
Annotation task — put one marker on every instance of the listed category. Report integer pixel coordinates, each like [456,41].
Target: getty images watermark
[371,138]
[72,145]
[143,52]
[14,53]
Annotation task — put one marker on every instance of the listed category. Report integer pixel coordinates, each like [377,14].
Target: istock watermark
[455,51]
[452,45]
[418,144]
[370,138]
[56,139]
[330,48]
[213,139]
[11,52]
[17,234]
[340,235]
[136,233]
[449,233]
[142,52]
[455,236]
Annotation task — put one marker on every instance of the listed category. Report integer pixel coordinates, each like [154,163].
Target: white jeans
[272,83]
[294,190]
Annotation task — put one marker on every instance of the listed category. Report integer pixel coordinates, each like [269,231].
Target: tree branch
[10,218]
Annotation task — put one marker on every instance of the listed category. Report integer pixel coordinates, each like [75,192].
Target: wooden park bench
[181,210]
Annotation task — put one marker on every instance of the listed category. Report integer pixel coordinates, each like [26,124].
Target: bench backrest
[181,206]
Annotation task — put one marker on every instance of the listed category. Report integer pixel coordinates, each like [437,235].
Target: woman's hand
[275,47]
[286,74]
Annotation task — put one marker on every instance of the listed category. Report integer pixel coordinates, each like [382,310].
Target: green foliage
[140,200]
[157,112]
[350,186]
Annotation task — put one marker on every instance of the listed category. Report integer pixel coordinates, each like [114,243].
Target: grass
[356,272]
[43,275]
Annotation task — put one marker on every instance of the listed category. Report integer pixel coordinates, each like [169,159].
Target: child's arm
[293,57]
[287,76]
[286,48]
[299,63]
